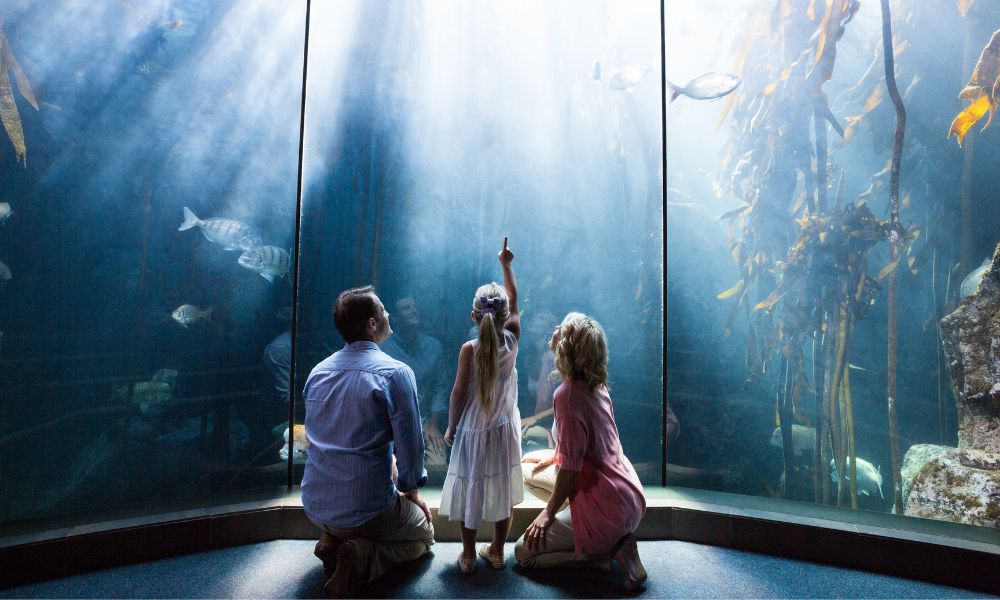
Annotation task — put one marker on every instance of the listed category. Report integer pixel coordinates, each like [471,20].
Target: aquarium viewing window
[829,255]
[189,185]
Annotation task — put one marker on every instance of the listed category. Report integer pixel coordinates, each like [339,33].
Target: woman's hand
[534,535]
[449,436]
[506,256]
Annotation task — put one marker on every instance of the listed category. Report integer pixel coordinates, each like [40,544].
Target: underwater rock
[971,340]
[916,457]
[949,490]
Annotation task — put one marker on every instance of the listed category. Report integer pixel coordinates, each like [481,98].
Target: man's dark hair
[353,309]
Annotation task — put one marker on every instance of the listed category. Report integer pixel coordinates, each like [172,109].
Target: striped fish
[230,234]
[268,261]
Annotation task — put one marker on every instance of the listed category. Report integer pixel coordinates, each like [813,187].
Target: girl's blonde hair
[582,351]
[490,307]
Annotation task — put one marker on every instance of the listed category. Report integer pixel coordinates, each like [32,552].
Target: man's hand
[433,440]
[414,497]
[542,463]
[506,256]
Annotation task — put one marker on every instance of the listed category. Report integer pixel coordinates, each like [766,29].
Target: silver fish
[5,211]
[625,78]
[803,439]
[706,87]
[595,71]
[285,314]
[268,261]
[5,273]
[869,477]
[189,314]
[168,376]
[971,282]
[228,233]
[146,394]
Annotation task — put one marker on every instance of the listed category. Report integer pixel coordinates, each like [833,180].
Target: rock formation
[963,484]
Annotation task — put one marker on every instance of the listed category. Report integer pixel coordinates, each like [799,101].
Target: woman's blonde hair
[490,307]
[582,351]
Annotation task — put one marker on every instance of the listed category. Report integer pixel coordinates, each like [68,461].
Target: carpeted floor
[287,569]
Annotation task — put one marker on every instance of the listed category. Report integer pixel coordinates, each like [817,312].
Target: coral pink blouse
[608,502]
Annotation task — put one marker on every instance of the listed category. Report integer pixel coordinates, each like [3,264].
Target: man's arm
[408,440]
[406,434]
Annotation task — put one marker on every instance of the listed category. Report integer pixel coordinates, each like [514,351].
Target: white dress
[484,476]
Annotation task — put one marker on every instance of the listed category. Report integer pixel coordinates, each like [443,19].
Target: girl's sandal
[466,565]
[495,562]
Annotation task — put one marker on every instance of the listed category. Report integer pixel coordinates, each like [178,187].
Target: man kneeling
[361,407]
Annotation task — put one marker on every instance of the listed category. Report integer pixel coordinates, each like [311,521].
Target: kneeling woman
[606,501]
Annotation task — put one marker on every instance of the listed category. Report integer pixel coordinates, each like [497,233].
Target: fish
[285,314]
[625,78]
[228,233]
[971,282]
[189,314]
[5,211]
[5,273]
[168,376]
[175,24]
[869,477]
[268,261]
[706,87]
[595,71]
[803,439]
[146,394]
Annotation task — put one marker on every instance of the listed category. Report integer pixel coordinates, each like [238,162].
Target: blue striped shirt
[361,406]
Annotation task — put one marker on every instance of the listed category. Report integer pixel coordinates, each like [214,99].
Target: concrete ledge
[904,553]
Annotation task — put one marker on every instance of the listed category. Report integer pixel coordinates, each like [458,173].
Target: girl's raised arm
[506,256]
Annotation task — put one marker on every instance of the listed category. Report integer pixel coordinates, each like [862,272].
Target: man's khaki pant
[398,534]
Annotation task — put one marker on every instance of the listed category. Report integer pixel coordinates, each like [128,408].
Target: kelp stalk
[819,381]
[837,370]
[785,414]
[819,123]
[852,457]
[895,240]
[965,240]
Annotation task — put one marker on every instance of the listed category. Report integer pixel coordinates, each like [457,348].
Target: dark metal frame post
[298,252]
[663,239]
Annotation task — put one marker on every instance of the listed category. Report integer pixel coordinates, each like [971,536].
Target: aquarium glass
[788,274]
[434,130]
[133,361]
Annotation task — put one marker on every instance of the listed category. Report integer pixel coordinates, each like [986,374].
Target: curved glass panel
[784,289]
[161,145]
[434,130]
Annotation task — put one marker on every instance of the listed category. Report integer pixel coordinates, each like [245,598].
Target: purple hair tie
[489,305]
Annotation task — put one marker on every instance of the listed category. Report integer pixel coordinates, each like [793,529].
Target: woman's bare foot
[627,556]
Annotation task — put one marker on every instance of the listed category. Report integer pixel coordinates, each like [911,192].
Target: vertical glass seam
[663,238]
[298,253]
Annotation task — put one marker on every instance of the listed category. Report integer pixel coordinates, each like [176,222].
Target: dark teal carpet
[287,569]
